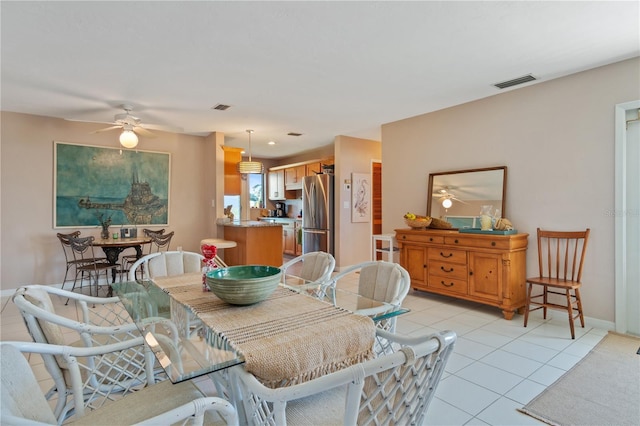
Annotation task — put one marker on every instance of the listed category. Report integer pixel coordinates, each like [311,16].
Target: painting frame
[94,184]
[360,197]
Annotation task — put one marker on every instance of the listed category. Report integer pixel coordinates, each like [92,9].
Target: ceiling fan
[131,126]
[445,197]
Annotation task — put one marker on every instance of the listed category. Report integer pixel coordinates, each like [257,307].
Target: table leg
[112,254]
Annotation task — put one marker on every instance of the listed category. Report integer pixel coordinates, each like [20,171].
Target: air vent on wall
[221,107]
[520,80]
[294,134]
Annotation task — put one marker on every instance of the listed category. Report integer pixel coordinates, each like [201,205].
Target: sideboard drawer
[482,242]
[448,270]
[448,285]
[448,255]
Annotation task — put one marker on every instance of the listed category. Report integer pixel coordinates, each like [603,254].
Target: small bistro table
[113,247]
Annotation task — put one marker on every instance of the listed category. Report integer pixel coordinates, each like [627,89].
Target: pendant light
[246,167]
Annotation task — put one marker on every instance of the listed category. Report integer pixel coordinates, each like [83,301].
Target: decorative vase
[486,220]
[105,232]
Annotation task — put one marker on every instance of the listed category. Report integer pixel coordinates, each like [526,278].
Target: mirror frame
[432,176]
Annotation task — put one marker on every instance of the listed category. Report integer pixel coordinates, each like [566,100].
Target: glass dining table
[193,348]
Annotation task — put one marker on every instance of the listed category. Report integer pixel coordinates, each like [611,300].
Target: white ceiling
[318,68]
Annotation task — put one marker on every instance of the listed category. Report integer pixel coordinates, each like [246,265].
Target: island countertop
[250,223]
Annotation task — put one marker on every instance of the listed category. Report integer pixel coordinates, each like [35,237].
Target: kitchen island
[258,243]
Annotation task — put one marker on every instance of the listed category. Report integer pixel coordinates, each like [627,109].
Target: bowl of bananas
[416,221]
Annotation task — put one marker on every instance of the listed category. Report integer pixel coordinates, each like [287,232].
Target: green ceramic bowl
[243,285]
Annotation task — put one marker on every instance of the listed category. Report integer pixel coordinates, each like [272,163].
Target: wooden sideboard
[488,269]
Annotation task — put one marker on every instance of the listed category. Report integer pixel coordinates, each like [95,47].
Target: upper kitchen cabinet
[232,178]
[276,185]
[313,169]
[293,177]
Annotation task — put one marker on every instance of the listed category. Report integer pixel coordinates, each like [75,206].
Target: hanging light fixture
[246,167]
[446,203]
[128,138]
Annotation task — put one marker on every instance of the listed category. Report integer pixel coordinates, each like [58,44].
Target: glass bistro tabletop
[193,349]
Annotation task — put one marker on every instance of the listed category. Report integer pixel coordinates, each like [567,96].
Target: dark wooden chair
[560,262]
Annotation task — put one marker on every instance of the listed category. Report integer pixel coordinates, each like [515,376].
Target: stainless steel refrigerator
[317,213]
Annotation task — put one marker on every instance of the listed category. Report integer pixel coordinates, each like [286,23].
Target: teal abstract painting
[95,183]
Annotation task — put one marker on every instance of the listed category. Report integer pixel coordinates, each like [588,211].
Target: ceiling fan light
[446,203]
[128,139]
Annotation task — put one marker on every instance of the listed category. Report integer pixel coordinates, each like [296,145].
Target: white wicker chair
[167,263]
[382,281]
[394,388]
[164,403]
[122,362]
[313,267]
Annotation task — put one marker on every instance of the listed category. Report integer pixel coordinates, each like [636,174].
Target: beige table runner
[288,338]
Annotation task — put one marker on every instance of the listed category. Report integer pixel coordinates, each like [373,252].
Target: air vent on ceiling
[294,134]
[221,107]
[520,80]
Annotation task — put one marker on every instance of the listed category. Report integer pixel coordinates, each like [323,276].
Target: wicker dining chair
[313,270]
[161,404]
[394,388]
[120,362]
[382,281]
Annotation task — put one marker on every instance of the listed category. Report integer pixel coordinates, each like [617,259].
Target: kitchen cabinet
[313,169]
[289,238]
[293,177]
[488,269]
[276,185]
[257,243]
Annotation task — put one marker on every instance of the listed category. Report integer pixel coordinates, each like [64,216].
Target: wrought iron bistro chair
[161,404]
[128,260]
[393,388]
[88,264]
[560,262]
[119,363]
[71,261]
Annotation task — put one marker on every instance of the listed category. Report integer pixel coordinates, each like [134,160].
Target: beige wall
[557,139]
[30,252]
[352,240]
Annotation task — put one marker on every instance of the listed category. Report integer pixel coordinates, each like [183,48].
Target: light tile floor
[497,365]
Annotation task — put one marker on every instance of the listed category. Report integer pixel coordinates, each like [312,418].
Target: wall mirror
[458,195]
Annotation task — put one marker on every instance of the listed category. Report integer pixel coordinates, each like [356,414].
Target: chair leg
[579,304]
[526,306]
[545,301]
[570,312]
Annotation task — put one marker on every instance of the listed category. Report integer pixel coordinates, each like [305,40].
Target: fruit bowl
[245,284]
[418,223]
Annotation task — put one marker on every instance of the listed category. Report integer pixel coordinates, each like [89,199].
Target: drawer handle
[430,239]
[445,270]
[493,243]
[446,255]
[404,237]
[455,241]
[446,285]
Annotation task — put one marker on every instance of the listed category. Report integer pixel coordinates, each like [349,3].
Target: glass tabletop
[343,298]
[189,350]
[185,348]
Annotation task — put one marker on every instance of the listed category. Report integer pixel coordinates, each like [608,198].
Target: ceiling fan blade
[106,129]
[144,132]
[163,128]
